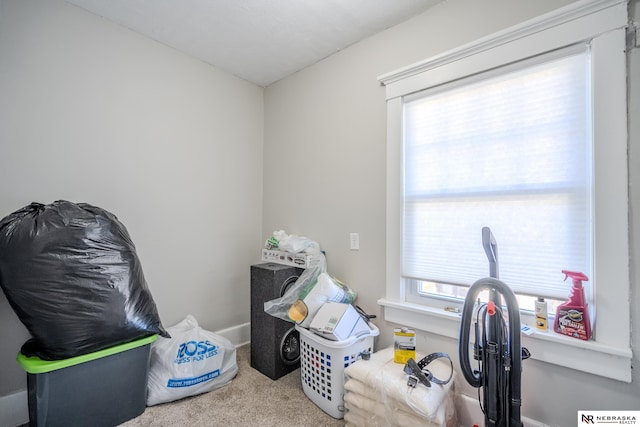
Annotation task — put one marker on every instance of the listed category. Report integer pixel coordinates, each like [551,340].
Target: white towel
[360,418]
[370,400]
[382,378]
[387,413]
[355,418]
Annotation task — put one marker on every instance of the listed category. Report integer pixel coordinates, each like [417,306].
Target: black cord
[507,375]
[480,352]
[502,375]
[502,396]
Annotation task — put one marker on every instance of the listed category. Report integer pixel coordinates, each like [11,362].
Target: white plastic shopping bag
[191,362]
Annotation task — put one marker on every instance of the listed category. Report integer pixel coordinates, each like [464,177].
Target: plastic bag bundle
[313,288]
[279,307]
[71,273]
[193,361]
[313,297]
[304,298]
[292,243]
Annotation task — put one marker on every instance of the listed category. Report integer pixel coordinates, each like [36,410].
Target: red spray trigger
[491,308]
[576,277]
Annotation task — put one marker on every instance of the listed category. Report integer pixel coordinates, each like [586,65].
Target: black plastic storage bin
[100,389]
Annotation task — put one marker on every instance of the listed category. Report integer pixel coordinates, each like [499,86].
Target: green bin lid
[35,365]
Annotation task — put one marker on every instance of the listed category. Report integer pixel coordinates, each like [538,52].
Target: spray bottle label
[571,322]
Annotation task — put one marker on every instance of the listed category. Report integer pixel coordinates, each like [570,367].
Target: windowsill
[586,356]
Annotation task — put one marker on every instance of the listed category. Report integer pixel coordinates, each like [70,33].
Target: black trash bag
[71,273]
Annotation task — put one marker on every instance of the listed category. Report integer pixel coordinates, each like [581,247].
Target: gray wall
[325,127]
[92,112]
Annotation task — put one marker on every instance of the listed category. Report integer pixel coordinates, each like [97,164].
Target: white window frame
[602,24]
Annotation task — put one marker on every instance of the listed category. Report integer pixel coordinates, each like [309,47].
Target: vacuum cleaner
[497,345]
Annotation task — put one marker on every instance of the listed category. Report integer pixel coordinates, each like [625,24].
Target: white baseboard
[469,413]
[14,409]
[238,335]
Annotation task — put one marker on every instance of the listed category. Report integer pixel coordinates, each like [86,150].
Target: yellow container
[404,345]
[541,314]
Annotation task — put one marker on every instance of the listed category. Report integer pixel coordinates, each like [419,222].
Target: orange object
[491,308]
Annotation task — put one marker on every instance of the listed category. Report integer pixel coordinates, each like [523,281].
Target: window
[527,124]
[509,149]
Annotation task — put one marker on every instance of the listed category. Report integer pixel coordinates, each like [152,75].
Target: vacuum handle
[491,249]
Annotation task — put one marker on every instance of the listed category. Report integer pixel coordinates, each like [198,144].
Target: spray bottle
[572,317]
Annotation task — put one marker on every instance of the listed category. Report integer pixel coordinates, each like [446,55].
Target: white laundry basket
[322,364]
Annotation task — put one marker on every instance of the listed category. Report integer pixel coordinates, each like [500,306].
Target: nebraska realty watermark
[587,418]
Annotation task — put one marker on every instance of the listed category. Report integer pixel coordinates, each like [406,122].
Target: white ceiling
[261,41]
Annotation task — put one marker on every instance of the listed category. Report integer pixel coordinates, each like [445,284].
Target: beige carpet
[251,399]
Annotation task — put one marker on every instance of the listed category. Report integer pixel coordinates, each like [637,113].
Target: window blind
[511,150]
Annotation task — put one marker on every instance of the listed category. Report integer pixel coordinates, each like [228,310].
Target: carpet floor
[250,399]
